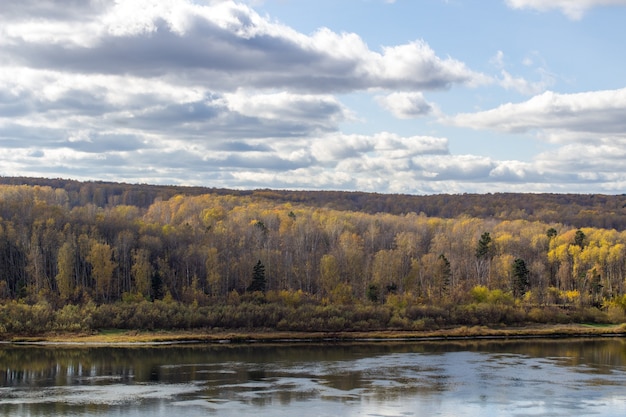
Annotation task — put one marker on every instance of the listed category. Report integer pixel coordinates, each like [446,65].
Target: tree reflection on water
[477,376]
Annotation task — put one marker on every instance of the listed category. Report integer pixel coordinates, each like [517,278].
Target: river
[537,377]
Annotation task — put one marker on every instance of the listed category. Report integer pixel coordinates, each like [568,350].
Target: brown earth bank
[125,338]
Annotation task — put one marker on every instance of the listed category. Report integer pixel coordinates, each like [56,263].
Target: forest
[88,256]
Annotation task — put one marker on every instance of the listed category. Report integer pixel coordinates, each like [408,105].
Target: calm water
[523,378]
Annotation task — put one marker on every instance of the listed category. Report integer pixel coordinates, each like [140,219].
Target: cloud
[586,130]
[63,103]
[341,147]
[498,60]
[212,93]
[207,92]
[53,9]
[406,105]
[520,84]
[524,86]
[222,45]
[574,9]
[603,159]
[425,173]
[590,112]
[323,112]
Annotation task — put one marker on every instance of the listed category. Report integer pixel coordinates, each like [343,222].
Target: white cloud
[574,9]
[522,85]
[177,91]
[405,105]
[587,132]
[223,45]
[212,93]
[593,112]
[498,60]
[606,157]
[338,147]
[417,63]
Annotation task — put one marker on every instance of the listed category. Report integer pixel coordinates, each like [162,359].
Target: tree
[443,273]
[102,266]
[484,254]
[520,277]
[386,268]
[483,249]
[142,272]
[65,275]
[258,278]
[213,278]
[373,293]
[579,238]
[329,274]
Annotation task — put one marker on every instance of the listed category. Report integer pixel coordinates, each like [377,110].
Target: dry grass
[124,338]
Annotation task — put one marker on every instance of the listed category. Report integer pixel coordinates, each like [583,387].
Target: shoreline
[204,336]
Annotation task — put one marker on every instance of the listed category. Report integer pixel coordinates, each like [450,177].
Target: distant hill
[578,210]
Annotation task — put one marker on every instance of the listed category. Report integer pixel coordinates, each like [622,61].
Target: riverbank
[123,337]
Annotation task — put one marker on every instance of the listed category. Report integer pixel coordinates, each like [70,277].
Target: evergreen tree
[520,277]
[373,293]
[443,274]
[579,238]
[258,278]
[156,286]
[484,254]
[483,250]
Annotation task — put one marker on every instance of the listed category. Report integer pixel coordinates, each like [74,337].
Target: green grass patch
[599,325]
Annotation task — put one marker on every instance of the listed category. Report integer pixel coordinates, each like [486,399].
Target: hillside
[577,210]
[84,256]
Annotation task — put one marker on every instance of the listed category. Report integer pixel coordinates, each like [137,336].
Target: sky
[387,96]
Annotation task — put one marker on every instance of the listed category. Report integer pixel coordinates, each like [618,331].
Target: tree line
[216,250]
[577,210]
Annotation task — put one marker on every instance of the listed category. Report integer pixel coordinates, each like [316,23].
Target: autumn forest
[88,256]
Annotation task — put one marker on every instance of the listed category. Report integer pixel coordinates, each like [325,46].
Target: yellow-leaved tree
[102,266]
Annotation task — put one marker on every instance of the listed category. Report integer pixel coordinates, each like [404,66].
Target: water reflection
[532,377]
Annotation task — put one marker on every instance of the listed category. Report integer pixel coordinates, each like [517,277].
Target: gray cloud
[230,46]
[183,92]
[240,146]
[212,93]
[104,143]
[53,9]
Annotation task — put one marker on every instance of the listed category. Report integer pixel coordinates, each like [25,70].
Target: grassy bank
[264,318]
[124,337]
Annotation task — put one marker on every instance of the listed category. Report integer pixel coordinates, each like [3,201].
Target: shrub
[615,314]
[479,294]
[400,323]
[540,315]
[589,315]
[21,318]
[74,318]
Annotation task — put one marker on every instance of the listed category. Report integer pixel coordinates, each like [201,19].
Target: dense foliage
[232,261]
[578,210]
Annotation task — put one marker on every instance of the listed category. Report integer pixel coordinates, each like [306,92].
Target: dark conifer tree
[520,277]
[258,278]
